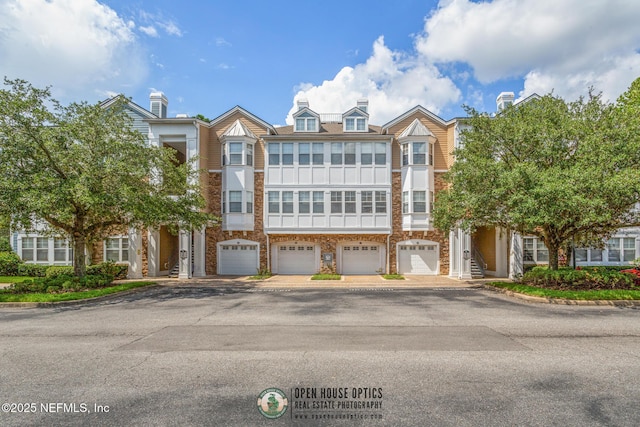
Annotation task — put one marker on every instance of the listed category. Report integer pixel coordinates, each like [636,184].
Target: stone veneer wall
[328,242]
[215,234]
[399,235]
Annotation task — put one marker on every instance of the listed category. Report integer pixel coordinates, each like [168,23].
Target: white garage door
[238,259]
[361,259]
[418,259]
[296,259]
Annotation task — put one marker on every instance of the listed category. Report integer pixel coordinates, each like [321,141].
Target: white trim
[236,242]
[239,109]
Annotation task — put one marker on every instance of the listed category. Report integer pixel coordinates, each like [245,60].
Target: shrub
[32,270]
[58,270]
[5,245]
[60,283]
[118,271]
[567,278]
[9,263]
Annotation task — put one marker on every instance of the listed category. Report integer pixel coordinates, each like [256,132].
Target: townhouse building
[331,192]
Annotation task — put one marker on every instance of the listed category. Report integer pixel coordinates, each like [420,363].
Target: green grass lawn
[70,296]
[325,277]
[393,276]
[604,294]
[13,279]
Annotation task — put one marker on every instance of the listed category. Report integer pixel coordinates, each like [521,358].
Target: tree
[556,170]
[85,172]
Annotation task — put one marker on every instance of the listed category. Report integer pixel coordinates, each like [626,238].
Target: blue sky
[208,56]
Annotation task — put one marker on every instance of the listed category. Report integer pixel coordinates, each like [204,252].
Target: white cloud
[81,48]
[170,28]
[221,42]
[150,31]
[392,81]
[565,46]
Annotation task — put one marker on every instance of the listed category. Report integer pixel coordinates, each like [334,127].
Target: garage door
[361,259]
[296,259]
[418,259]
[238,259]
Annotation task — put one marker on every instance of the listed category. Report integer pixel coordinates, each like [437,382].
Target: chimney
[158,104]
[504,100]
[303,103]
[363,104]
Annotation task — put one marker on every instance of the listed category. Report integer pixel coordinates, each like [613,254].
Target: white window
[366,153]
[336,202]
[274,153]
[274,202]
[249,154]
[28,246]
[349,153]
[419,153]
[419,201]
[349,202]
[405,202]
[613,249]
[405,154]
[116,249]
[235,153]
[62,251]
[224,202]
[235,201]
[287,153]
[355,124]
[628,249]
[249,202]
[336,153]
[318,153]
[366,202]
[306,124]
[304,202]
[381,202]
[42,249]
[534,251]
[318,202]
[287,202]
[303,153]
[381,153]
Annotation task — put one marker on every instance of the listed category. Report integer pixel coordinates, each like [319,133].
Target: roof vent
[504,100]
[363,104]
[158,104]
[181,116]
[303,103]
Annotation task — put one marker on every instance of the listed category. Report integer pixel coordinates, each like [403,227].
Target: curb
[76,301]
[562,301]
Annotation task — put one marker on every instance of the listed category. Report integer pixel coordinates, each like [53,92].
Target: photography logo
[272,403]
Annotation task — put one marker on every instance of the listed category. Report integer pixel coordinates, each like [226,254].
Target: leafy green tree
[560,171]
[85,172]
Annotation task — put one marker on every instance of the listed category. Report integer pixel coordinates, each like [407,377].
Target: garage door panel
[418,259]
[238,259]
[361,259]
[296,259]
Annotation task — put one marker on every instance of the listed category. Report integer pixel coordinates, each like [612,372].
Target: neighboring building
[332,192]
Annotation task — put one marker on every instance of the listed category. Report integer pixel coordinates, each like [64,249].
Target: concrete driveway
[202,354]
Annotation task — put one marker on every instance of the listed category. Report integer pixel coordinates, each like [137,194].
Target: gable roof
[416,128]
[239,129]
[358,112]
[239,109]
[132,105]
[417,108]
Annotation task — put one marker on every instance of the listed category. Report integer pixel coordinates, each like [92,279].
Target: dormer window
[355,124]
[355,120]
[306,124]
[305,120]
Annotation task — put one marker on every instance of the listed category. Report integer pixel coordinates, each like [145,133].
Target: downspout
[268,254]
[388,254]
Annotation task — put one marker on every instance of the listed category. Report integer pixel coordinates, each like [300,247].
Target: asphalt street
[203,355]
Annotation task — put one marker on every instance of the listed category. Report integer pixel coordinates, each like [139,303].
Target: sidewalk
[304,281]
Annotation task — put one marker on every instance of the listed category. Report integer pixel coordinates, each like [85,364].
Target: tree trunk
[79,259]
[553,256]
